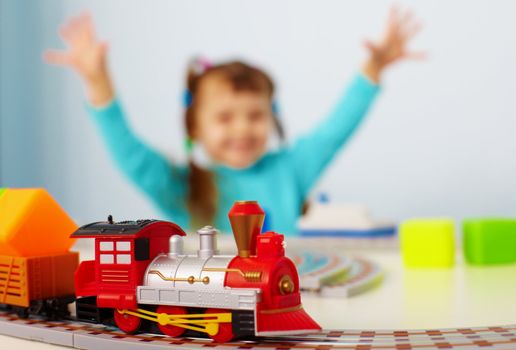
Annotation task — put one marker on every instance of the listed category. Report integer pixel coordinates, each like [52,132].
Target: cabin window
[141,249]
[123,258]
[106,246]
[123,246]
[115,252]
[107,258]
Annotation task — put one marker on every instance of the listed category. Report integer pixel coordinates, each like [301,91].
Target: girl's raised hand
[86,55]
[401,28]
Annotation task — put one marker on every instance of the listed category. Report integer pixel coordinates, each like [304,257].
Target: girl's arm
[147,168]
[313,152]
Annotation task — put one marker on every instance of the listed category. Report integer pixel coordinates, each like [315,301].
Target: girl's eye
[257,115]
[224,117]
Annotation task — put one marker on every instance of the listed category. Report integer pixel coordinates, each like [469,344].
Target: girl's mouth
[241,146]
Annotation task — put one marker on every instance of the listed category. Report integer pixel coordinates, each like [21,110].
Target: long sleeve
[311,153]
[163,181]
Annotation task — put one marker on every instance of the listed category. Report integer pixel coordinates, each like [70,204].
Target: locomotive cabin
[123,250]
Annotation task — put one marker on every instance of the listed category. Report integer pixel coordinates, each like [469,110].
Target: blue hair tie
[187,99]
[275,107]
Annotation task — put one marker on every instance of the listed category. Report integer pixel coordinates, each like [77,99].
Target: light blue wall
[20,100]
[32,142]
[440,140]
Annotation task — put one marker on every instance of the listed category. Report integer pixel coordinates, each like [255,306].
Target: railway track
[87,336]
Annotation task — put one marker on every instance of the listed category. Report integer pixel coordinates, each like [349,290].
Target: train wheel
[171,331]
[21,312]
[225,332]
[128,323]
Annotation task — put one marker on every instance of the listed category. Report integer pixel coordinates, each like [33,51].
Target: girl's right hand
[86,55]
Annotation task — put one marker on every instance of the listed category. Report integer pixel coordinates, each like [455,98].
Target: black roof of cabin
[111,228]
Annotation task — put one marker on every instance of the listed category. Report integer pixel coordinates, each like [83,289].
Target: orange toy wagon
[38,285]
[36,268]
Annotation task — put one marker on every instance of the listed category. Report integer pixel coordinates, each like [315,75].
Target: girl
[229,114]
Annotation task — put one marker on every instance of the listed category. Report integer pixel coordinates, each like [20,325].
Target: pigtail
[202,195]
[202,192]
[279,127]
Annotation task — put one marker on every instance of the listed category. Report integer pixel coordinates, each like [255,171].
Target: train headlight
[286,285]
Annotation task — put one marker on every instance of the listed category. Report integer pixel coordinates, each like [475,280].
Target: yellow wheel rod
[195,322]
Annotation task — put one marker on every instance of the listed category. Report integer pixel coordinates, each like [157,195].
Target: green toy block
[428,242]
[489,241]
[2,190]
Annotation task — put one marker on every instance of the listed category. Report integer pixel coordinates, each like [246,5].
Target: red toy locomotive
[142,278]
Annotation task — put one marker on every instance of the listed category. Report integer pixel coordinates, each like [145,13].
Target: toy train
[142,280]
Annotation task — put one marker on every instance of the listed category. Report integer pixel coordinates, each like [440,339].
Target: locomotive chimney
[207,242]
[246,219]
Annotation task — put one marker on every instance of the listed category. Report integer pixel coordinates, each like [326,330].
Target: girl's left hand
[401,28]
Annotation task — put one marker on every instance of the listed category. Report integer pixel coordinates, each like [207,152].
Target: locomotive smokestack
[246,219]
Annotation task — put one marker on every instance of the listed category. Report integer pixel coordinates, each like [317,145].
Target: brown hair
[202,193]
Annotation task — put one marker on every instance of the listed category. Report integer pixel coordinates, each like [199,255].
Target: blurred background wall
[440,140]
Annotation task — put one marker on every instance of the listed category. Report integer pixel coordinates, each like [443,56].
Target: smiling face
[233,125]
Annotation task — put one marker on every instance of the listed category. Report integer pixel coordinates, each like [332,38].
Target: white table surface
[463,296]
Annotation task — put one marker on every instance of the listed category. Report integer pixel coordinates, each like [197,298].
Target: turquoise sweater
[281,180]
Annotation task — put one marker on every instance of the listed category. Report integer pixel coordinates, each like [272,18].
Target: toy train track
[336,276]
[86,336]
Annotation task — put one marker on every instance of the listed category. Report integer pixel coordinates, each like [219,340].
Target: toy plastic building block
[33,224]
[489,241]
[2,190]
[428,242]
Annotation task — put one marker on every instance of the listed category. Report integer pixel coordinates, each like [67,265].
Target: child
[229,114]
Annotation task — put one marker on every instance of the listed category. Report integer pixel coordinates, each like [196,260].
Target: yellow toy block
[32,224]
[428,242]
